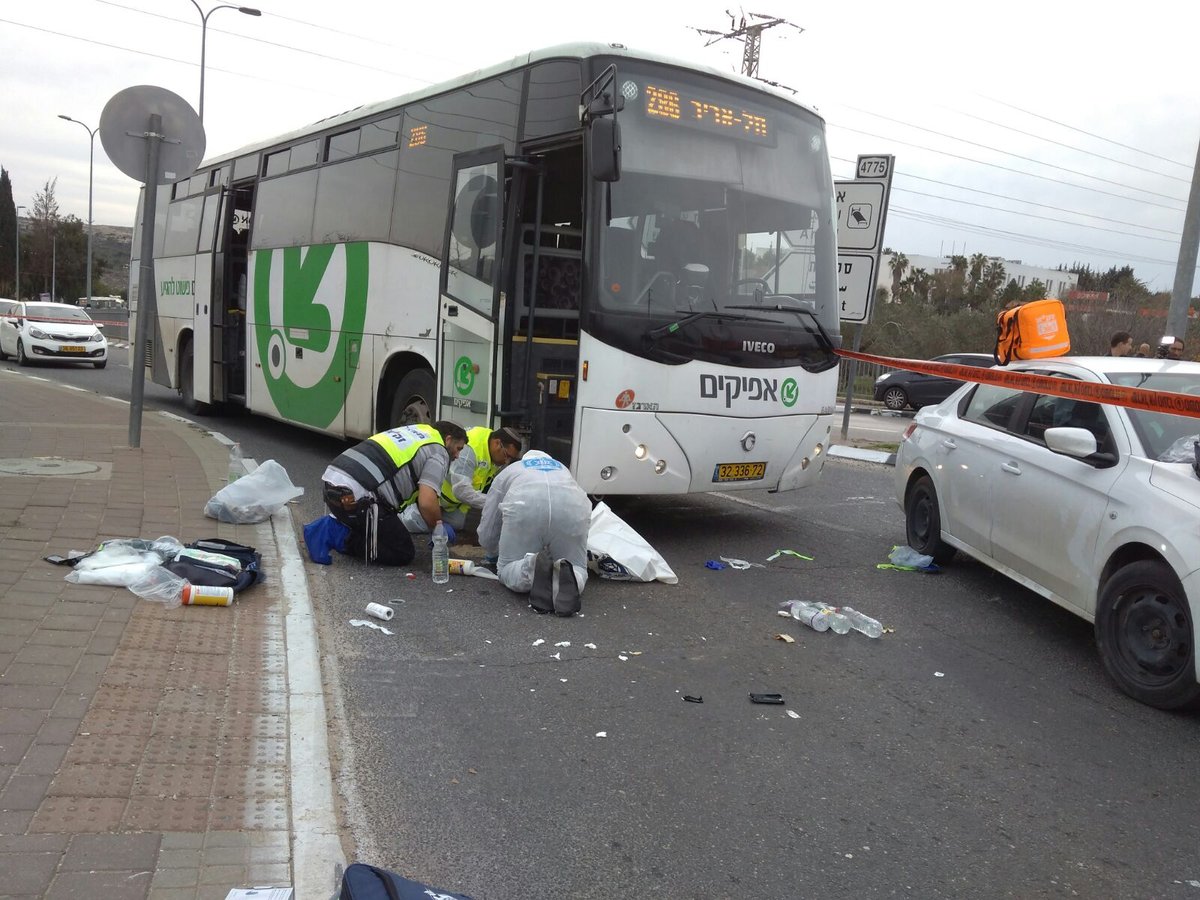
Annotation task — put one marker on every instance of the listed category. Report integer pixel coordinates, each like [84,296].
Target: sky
[1053,132]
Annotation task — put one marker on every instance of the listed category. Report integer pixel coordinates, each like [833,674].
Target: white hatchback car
[60,331]
[1096,507]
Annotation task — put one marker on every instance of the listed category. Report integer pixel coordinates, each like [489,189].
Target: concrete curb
[857,453]
[317,856]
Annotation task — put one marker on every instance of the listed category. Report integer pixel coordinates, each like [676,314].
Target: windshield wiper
[662,331]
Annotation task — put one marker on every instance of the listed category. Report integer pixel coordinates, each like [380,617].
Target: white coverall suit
[534,505]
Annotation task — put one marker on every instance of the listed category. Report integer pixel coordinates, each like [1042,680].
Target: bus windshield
[719,240]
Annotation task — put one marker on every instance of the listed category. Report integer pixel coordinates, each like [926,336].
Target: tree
[8,237]
[44,228]
[993,281]
[898,263]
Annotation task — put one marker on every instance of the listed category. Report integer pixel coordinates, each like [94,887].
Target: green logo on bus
[464,375]
[789,393]
[305,326]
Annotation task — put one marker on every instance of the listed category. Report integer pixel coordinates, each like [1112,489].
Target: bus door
[470,289]
[229,294]
[540,354]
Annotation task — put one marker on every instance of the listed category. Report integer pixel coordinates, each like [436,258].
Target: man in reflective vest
[536,522]
[471,474]
[373,485]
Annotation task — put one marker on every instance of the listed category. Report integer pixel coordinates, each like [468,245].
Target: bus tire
[411,401]
[187,383]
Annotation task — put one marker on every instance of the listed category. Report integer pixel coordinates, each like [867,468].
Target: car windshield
[48,312]
[1165,437]
[7,306]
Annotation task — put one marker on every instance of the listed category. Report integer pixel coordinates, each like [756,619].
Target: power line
[1098,137]
[171,59]
[1074,212]
[258,40]
[1065,145]
[1008,169]
[1015,155]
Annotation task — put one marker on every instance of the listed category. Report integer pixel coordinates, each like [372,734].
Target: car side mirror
[99,325]
[1076,442]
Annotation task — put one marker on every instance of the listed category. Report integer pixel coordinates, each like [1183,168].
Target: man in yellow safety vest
[471,473]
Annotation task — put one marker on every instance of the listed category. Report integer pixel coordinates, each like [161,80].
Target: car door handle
[1011,468]
[949,444]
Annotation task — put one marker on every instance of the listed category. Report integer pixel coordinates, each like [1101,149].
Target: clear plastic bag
[254,497]
[1181,451]
[160,585]
[113,566]
[907,556]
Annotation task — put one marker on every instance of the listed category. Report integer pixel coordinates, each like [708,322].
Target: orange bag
[1034,330]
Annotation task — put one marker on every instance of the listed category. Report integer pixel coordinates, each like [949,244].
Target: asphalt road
[977,750]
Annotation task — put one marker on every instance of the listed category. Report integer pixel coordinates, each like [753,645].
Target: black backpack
[199,571]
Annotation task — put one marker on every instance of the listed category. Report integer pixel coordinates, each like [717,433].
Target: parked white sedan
[1096,507]
[60,331]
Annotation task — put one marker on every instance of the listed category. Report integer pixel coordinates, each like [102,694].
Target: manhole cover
[45,466]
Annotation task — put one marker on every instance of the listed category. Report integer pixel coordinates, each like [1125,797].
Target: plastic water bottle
[817,616]
[441,554]
[860,622]
[236,467]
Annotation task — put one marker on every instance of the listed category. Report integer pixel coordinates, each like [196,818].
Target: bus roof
[559,51]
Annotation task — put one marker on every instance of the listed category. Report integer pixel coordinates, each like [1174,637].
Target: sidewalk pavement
[148,752]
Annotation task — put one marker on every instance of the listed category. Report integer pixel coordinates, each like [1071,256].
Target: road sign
[860,214]
[856,285]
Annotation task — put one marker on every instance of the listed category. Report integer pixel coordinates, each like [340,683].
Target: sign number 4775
[874,167]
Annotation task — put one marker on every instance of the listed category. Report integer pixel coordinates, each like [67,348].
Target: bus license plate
[72,349]
[739,471]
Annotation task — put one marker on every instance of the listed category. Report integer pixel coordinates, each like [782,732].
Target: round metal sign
[125,123]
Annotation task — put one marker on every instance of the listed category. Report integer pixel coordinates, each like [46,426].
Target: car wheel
[895,398]
[187,384]
[101,364]
[923,521]
[1145,635]
[22,359]
[411,402]
[3,355]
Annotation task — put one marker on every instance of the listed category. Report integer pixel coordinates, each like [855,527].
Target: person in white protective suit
[535,522]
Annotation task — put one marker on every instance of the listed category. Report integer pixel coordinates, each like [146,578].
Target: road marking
[755,504]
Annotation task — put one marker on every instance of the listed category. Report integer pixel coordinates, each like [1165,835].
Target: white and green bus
[630,259]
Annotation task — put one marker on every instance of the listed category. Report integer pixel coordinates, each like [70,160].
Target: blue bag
[363,882]
[325,534]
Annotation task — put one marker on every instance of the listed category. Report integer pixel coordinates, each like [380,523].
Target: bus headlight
[608,473]
[639,452]
[660,466]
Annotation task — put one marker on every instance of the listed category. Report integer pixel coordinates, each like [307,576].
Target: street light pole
[17,235]
[91,167]
[245,10]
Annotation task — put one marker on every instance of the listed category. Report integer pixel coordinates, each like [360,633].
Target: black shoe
[565,590]
[541,595]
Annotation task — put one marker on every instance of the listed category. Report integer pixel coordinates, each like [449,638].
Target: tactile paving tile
[151,635]
[252,752]
[78,815]
[171,749]
[262,782]
[166,781]
[116,721]
[104,750]
[87,780]
[112,697]
[234,725]
[166,814]
[188,725]
[252,814]
[180,700]
[142,660]
[252,700]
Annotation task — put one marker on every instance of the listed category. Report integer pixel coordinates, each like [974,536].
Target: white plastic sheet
[254,497]
[610,535]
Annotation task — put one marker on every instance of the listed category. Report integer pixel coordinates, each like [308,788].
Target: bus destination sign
[682,107]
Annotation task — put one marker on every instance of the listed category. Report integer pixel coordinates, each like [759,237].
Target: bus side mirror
[604,148]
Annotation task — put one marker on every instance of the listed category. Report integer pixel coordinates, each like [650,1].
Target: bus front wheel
[411,402]
[187,383]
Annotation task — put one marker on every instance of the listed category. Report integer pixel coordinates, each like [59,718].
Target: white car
[1096,507]
[51,331]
